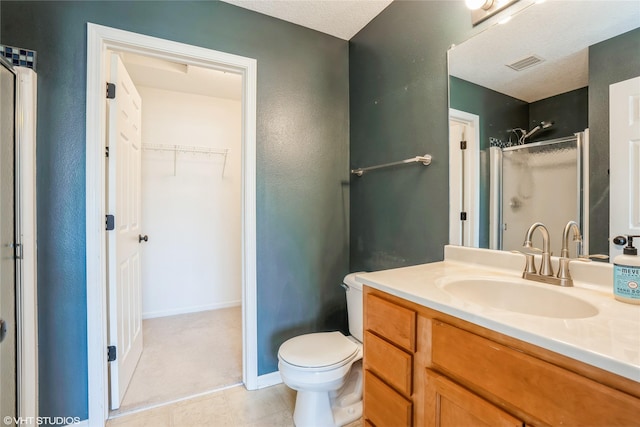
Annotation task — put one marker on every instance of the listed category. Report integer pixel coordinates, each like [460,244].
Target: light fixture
[483,9]
[479,4]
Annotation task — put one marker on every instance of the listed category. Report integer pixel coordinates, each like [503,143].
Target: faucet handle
[563,268]
[529,266]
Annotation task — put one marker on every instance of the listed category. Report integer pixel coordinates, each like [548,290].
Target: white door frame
[467,183]
[99,40]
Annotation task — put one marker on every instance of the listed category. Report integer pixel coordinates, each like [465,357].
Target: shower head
[542,125]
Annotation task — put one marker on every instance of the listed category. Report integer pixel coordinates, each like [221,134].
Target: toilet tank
[353,289]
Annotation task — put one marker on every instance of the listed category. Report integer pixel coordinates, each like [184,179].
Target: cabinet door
[538,391]
[450,405]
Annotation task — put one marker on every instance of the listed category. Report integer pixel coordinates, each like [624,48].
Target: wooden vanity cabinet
[447,404]
[390,336]
[425,368]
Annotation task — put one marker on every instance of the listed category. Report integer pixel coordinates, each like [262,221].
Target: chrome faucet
[545,265]
[563,263]
[545,274]
[577,237]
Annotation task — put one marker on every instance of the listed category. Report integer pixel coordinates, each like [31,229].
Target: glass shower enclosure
[8,270]
[538,182]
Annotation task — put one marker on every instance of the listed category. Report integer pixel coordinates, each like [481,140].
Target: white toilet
[326,369]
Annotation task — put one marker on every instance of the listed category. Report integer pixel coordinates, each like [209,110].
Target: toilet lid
[317,350]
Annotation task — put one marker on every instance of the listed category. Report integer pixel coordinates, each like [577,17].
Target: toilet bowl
[325,368]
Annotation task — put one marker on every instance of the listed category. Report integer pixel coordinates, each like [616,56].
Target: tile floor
[233,407]
[186,355]
[183,395]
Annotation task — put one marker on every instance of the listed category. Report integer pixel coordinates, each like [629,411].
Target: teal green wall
[398,104]
[498,112]
[302,165]
[569,111]
[610,61]
[385,90]
[399,109]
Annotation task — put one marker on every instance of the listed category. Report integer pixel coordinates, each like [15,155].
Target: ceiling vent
[524,63]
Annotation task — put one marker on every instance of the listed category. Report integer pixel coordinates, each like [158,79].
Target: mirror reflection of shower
[538,182]
[523,135]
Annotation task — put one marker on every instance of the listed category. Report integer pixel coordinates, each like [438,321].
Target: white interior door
[124,202]
[624,161]
[464,179]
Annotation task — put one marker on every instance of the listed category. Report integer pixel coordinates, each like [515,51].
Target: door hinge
[18,251]
[110,222]
[463,145]
[111,90]
[111,353]
[463,216]
[106,151]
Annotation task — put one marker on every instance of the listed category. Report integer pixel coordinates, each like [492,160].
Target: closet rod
[185,149]
[425,160]
[175,149]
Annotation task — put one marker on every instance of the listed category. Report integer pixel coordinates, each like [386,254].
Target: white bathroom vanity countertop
[610,340]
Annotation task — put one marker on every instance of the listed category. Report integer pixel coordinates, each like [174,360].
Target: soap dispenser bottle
[626,272]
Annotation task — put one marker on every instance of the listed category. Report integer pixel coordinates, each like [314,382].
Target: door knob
[141,238]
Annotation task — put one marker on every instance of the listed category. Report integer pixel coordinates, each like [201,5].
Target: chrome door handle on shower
[141,238]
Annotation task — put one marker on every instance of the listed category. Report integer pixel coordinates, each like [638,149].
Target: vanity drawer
[383,406]
[392,322]
[543,391]
[389,362]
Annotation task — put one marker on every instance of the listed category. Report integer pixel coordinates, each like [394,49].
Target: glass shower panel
[540,182]
[7,240]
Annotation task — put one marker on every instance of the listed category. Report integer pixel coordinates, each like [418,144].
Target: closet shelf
[175,149]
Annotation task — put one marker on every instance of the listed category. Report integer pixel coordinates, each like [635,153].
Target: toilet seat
[318,351]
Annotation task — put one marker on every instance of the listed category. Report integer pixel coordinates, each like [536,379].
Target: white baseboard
[268,380]
[186,310]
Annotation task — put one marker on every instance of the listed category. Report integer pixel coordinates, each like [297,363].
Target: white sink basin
[519,297]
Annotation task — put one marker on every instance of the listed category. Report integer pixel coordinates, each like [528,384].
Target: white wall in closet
[190,210]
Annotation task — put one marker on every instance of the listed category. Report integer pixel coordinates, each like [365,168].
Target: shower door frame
[495,193]
[25,105]
[99,40]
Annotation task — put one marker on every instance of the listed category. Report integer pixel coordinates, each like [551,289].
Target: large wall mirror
[534,82]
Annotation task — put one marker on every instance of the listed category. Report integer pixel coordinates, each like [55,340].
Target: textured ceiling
[559,32]
[172,76]
[339,18]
